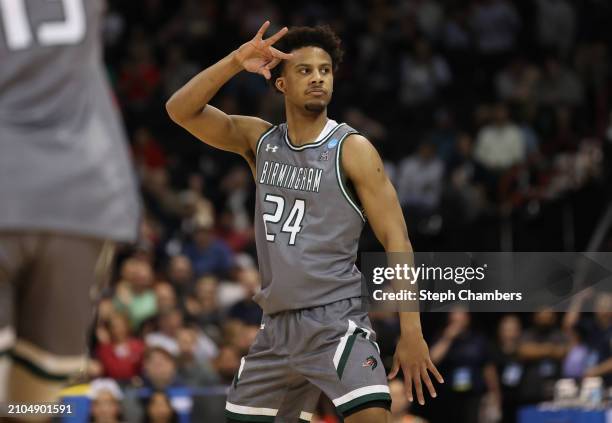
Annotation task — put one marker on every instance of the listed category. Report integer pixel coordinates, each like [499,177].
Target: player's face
[307,79]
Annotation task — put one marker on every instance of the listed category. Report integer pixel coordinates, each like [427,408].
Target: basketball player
[66,188]
[316,181]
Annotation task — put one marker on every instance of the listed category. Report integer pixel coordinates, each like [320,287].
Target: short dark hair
[305,36]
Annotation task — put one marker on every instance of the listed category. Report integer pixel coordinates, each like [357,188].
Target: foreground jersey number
[292,224]
[18,31]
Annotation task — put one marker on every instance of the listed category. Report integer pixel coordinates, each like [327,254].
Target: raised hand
[258,55]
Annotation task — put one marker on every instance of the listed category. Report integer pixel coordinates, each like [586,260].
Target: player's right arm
[189,105]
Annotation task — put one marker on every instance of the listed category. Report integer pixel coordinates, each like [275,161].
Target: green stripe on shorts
[347,351]
[378,396]
[249,417]
[36,370]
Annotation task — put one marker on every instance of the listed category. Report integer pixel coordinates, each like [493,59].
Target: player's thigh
[349,371]
[300,402]
[13,257]
[54,304]
[260,385]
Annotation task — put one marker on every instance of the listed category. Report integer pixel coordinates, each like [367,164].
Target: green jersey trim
[340,177]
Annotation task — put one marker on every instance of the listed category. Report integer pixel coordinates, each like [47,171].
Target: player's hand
[258,55]
[412,355]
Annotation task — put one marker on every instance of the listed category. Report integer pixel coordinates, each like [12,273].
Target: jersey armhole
[261,138]
[347,191]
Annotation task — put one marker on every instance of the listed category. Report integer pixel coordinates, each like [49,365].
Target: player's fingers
[394,368]
[262,30]
[408,385]
[416,380]
[265,72]
[432,368]
[273,63]
[427,382]
[280,54]
[277,36]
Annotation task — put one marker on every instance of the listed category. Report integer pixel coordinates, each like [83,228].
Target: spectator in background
[247,310]
[457,32]
[509,366]
[465,191]
[147,153]
[564,138]
[444,135]
[236,186]
[500,145]
[134,294]
[166,297]
[420,181]
[517,81]
[596,331]
[105,397]
[160,367]
[194,371]
[203,307]
[542,348]
[226,363]
[139,76]
[169,324]
[177,70]
[239,336]
[578,355]
[559,85]
[158,409]
[423,74]
[180,274]
[464,355]
[118,351]
[495,24]
[197,209]
[556,26]
[226,231]
[208,254]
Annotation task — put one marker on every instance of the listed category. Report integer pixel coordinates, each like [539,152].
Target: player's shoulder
[357,146]
[252,128]
[359,157]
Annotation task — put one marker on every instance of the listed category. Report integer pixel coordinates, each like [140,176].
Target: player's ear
[280,84]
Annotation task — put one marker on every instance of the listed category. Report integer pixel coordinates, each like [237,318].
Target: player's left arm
[362,164]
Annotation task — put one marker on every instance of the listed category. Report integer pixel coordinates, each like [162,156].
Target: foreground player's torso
[307,221]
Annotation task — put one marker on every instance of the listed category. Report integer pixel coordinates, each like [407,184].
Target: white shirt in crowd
[420,182]
[499,147]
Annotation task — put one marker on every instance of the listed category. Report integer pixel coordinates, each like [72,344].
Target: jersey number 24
[292,223]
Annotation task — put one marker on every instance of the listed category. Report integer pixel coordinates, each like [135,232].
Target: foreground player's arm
[363,166]
[189,105]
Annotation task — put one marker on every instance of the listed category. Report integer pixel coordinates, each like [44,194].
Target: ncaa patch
[333,143]
[370,362]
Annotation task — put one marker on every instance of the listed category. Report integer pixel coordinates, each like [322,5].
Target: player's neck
[305,127]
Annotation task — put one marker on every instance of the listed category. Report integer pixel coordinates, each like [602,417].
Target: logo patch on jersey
[324,156]
[272,148]
[370,362]
[332,143]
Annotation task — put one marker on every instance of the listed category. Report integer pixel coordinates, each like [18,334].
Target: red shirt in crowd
[121,361]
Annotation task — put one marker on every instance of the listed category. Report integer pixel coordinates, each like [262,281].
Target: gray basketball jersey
[307,222]
[64,163]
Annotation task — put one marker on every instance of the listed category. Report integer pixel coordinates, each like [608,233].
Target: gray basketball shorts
[298,354]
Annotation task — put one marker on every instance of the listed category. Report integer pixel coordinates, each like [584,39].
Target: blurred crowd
[486,113]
